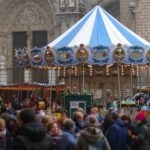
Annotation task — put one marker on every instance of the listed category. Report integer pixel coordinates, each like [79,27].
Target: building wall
[143,18]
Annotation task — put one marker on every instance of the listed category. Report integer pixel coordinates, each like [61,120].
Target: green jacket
[143,132]
[110,105]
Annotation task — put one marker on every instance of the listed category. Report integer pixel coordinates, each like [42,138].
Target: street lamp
[132,8]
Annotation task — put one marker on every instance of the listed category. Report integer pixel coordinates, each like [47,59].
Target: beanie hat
[140,116]
[92,120]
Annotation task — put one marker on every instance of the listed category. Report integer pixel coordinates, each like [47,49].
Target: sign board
[74,104]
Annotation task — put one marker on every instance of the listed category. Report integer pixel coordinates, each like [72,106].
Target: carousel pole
[119,85]
[44,81]
[33,73]
[140,78]
[28,85]
[79,71]
[131,81]
[21,85]
[37,81]
[83,78]
[51,88]
[70,81]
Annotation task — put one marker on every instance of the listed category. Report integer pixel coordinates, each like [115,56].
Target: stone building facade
[37,22]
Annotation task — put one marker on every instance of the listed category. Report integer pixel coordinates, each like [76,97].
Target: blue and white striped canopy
[96,28]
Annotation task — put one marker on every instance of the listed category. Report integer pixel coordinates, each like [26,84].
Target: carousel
[98,56]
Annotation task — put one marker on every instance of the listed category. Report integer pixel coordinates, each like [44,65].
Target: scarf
[56,137]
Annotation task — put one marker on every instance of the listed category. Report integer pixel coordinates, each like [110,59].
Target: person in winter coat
[14,101]
[11,123]
[78,118]
[91,137]
[143,133]
[10,109]
[129,128]
[107,123]
[115,133]
[94,111]
[68,135]
[32,135]
[56,134]
[109,104]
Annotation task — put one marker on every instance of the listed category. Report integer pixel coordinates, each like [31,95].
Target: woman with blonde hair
[79,121]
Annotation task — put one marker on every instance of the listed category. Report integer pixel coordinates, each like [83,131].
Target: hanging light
[133,71]
[137,70]
[107,70]
[64,72]
[122,70]
[91,70]
[58,72]
[76,71]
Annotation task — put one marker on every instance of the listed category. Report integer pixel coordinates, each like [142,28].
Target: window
[39,39]
[19,42]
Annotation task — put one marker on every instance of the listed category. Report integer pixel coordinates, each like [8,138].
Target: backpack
[96,146]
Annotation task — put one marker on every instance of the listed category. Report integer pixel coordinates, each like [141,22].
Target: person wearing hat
[91,137]
[143,132]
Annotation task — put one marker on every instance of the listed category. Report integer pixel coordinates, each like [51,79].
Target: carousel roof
[98,27]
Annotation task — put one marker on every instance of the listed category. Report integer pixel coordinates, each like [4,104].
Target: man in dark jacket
[115,133]
[68,136]
[32,134]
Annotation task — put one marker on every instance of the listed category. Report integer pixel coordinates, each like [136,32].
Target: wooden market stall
[24,90]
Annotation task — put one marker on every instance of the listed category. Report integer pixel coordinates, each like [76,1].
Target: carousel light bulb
[75,72]
[122,70]
[64,72]
[107,70]
[137,68]
[58,71]
[91,70]
[133,71]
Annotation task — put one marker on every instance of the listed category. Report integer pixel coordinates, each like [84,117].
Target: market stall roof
[98,27]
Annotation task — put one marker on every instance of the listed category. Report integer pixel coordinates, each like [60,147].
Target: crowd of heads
[96,121]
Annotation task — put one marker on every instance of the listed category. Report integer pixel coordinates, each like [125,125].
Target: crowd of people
[23,128]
